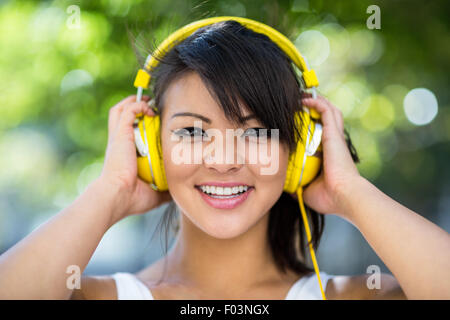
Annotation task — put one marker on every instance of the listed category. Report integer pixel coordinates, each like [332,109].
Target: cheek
[178,173]
[180,179]
[270,169]
[270,179]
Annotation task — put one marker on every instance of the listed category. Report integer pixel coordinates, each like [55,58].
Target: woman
[252,249]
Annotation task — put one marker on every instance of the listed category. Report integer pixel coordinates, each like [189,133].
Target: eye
[191,132]
[257,132]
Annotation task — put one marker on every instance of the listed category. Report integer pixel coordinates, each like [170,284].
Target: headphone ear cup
[295,160]
[312,163]
[152,170]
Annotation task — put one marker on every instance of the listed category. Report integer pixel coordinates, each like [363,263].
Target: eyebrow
[205,119]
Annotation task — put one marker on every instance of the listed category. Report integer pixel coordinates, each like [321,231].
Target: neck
[207,262]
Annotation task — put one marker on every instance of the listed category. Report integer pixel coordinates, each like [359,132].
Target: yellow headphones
[304,164]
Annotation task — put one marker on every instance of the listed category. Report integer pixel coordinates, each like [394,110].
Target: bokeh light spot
[379,114]
[75,79]
[420,106]
[314,46]
[366,47]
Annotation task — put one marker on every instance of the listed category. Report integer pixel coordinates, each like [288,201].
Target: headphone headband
[309,76]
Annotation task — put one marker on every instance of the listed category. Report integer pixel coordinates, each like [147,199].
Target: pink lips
[229,203]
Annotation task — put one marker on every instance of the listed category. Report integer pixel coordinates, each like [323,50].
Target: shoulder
[104,287]
[356,288]
[96,288]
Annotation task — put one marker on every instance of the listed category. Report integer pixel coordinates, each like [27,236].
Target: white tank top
[129,287]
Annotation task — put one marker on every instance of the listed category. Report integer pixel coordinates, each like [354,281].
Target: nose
[223,160]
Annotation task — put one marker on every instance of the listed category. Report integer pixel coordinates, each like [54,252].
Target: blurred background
[63,64]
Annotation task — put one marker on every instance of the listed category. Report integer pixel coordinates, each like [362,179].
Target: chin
[228,225]
[224,232]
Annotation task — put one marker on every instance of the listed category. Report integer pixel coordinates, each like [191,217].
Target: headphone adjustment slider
[142,79]
[310,78]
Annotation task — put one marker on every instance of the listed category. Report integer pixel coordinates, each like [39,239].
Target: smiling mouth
[218,192]
[224,195]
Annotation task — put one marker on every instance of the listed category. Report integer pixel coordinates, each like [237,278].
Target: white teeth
[227,191]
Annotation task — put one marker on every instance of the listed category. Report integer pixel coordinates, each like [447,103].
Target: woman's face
[200,186]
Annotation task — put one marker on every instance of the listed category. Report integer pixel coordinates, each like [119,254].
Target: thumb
[313,195]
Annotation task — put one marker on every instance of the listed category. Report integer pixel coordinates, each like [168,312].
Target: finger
[130,112]
[339,117]
[337,114]
[118,108]
[335,148]
[150,105]
[116,111]
[327,115]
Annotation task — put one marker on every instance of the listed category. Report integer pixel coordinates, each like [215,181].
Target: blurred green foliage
[57,83]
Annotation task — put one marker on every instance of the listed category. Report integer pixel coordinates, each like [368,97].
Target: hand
[339,172]
[119,175]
